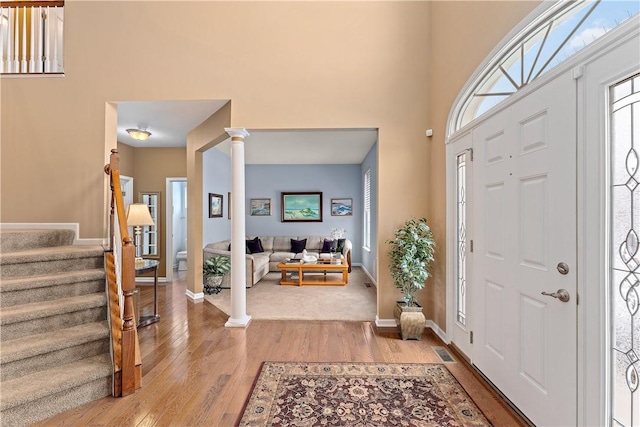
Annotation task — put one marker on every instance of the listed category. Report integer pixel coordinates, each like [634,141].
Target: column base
[238,323]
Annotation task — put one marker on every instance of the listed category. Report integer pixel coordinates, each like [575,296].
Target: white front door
[524,221]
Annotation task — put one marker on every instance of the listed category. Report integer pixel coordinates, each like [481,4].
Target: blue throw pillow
[298,246]
[254,246]
[328,246]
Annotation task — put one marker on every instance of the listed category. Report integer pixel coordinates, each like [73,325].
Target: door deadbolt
[563,268]
[561,294]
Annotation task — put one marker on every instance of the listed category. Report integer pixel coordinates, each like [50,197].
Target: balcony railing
[31,37]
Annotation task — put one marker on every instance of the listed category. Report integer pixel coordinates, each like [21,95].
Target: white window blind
[367,209]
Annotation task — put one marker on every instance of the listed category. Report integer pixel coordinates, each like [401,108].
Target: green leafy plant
[411,254]
[216,266]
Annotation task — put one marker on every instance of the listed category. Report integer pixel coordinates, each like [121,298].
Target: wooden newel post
[113,165]
[129,381]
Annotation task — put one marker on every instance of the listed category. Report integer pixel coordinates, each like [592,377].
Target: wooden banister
[27,3]
[127,360]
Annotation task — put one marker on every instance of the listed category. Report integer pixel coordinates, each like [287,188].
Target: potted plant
[213,270]
[411,256]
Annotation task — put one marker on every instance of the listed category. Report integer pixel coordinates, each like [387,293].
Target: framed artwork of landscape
[302,207]
[260,207]
[341,207]
[215,205]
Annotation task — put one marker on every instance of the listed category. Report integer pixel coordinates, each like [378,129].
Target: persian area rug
[359,394]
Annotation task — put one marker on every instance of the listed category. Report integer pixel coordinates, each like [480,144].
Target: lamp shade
[138,214]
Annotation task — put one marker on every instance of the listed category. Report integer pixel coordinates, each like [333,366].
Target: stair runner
[54,335]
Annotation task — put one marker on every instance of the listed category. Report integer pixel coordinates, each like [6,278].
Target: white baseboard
[439,332]
[385,323]
[373,281]
[74,226]
[199,297]
[150,280]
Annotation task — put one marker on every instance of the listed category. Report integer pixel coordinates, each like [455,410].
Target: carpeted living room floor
[268,300]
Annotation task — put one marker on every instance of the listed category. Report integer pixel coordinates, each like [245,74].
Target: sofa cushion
[282,243]
[280,256]
[314,243]
[327,246]
[255,246]
[298,246]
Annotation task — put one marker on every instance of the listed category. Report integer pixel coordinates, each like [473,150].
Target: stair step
[19,239]
[43,261]
[43,394]
[39,317]
[35,353]
[28,289]
[55,340]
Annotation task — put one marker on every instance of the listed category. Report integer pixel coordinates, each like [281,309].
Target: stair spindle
[47,41]
[2,70]
[16,42]
[39,31]
[23,55]
[32,45]
[54,59]
[10,40]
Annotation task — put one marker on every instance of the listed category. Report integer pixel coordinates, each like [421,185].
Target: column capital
[237,132]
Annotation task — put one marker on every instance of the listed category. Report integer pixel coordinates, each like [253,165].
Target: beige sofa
[276,249]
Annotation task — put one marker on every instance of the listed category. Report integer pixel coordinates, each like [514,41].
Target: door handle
[561,294]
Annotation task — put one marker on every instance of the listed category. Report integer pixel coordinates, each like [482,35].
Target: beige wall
[461,40]
[206,135]
[149,168]
[127,161]
[282,64]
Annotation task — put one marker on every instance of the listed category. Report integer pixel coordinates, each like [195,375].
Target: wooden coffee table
[308,274]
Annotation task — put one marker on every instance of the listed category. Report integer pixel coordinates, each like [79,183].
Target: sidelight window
[461,239]
[624,115]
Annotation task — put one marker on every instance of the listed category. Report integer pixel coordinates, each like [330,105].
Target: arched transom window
[555,35]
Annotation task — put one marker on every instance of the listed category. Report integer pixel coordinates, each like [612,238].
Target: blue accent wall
[268,181]
[334,181]
[216,178]
[370,258]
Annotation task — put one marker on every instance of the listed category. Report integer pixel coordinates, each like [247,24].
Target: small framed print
[215,205]
[229,204]
[341,207]
[260,207]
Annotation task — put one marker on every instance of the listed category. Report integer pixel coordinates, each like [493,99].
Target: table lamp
[138,215]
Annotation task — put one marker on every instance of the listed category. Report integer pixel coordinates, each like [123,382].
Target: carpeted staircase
[54,335]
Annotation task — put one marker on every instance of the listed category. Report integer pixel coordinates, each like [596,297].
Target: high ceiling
[169,122]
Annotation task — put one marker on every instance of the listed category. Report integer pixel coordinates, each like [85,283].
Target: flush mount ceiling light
[139,134]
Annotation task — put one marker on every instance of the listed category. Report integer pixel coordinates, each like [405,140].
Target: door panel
[525,223]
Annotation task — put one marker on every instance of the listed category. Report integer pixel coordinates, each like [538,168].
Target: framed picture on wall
[341,207]
[302,207]
[229,204]
[215,205]
[260,207]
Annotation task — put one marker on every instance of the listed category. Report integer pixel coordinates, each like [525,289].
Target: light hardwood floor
[196,372]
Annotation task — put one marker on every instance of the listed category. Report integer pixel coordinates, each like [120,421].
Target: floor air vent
[443,353]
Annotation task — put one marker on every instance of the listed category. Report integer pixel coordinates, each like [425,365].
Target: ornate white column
[239,317]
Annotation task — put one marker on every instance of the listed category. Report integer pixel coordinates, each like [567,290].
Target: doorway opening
[176,224]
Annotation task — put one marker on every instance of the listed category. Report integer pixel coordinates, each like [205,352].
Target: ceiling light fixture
[139,134]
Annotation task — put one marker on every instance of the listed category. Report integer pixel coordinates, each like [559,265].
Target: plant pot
[410,321]
[212,285]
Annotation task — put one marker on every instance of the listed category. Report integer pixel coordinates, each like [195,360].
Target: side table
[146,267]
